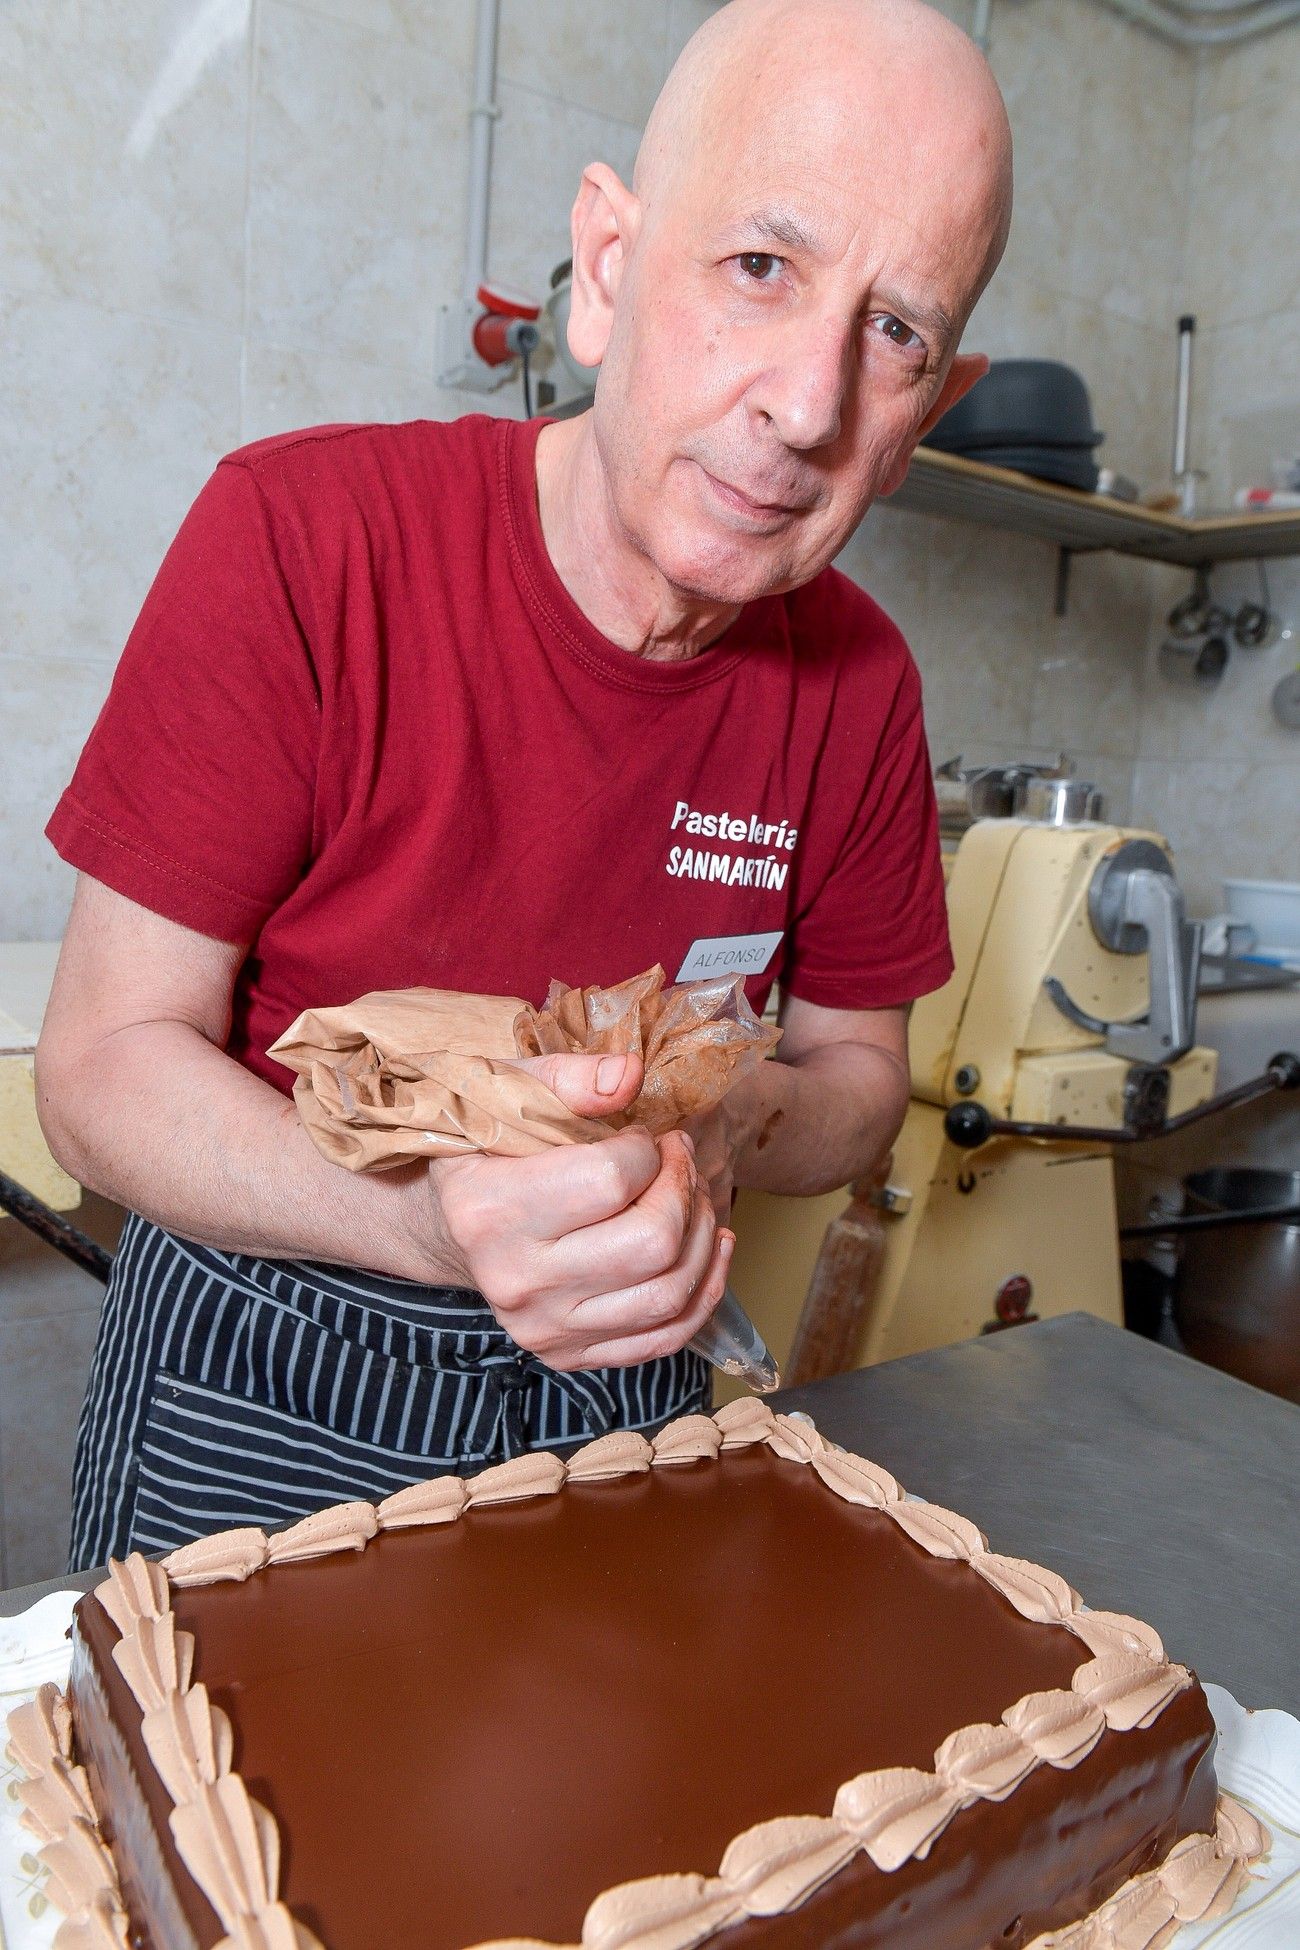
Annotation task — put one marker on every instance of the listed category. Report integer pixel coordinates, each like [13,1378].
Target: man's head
[821,194]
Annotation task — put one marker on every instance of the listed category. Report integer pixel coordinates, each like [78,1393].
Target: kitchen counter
[1154,1484]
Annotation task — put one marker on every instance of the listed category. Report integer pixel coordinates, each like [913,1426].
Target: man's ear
[603,226]
[965,369]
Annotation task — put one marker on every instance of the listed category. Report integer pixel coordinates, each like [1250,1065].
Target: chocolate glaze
[506,1715]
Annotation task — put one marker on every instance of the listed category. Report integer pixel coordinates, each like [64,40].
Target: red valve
[495,333]
[508,302]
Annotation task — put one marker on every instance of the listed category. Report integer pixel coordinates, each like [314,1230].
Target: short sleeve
[194,794]
[875,934]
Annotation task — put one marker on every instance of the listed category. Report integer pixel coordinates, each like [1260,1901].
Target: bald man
[474,705]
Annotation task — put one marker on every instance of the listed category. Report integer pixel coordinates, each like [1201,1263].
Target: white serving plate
[1258,1761]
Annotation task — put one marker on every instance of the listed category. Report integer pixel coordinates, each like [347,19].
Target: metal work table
[1155,1485]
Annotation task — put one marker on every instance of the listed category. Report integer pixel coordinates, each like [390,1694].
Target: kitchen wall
[219,218]
[1216,771]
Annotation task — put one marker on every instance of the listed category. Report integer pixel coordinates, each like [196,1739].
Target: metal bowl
[1058,802]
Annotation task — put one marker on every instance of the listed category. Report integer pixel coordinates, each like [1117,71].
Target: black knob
[967,1125]
[1284,1068]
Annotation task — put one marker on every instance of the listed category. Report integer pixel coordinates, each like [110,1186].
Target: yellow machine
[1071,1006]
[26,971]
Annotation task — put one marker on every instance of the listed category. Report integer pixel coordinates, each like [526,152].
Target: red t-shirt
[362,727]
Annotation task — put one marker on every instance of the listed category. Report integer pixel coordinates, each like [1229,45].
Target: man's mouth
[753,505]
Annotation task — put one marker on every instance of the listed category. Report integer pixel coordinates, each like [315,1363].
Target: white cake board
[1258,1761]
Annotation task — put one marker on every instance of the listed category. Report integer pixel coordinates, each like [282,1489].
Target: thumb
[590,1086]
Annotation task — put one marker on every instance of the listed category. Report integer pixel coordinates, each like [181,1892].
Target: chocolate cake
[729,1686]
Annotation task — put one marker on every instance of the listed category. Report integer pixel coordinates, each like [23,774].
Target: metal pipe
[1210,1221]
[1162,19]
[55,1231]
[1186,330]
[1209,8]
[483,113]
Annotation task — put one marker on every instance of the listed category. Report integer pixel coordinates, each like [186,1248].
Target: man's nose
[805,381]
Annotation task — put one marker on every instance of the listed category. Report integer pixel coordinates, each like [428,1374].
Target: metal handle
[1136,907]
[55,1231]
[970,1124]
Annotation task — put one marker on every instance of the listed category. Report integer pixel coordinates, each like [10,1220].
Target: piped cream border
[230,1845]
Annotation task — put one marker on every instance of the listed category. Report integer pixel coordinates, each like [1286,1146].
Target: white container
[1272,907]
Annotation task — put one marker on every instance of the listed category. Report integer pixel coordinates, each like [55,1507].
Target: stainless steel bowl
[1059,802]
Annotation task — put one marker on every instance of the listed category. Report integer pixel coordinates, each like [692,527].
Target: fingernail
[727,1246]
[688,1141]
[609,1074]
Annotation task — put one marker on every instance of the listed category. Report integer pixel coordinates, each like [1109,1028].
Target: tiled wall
[219,218]
[1217,771]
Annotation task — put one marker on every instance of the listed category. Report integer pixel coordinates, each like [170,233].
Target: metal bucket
[1237,1298]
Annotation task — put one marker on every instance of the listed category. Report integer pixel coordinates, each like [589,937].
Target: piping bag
[731,1341]
[409,1075]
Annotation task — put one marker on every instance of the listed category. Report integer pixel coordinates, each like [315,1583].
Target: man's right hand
[590,1255]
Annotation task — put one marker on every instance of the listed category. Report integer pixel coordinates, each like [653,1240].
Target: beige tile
[542,147]
[43,1370]
[448,24]
[987,615]
[1132,185]
[357,197]
[602,55]
[1243,222]
[1235,78]
[1088,683]
[47,707]
[285,389]
[109,425]
[1018,319]
[1221,817]
[1130,371]
[1044,57]
[889,555]
[123,140]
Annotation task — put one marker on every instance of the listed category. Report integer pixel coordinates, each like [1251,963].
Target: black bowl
[1019,403]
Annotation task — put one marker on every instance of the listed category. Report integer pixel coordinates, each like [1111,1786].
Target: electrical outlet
[459,365]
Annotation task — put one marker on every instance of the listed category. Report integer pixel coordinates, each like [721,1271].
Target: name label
[729,954]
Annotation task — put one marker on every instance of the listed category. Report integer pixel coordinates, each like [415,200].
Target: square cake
[727,1686]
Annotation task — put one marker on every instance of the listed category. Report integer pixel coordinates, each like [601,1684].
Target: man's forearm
[818,1123]
[161,1120]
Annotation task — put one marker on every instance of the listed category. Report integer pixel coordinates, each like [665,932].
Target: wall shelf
[951,486]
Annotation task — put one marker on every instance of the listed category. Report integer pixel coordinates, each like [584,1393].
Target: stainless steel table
[1156,1485]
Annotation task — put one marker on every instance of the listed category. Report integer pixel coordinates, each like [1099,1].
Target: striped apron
[229,1390]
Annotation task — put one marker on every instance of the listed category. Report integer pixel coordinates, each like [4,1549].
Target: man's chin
[708,571]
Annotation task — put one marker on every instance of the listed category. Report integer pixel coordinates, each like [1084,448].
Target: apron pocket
[210,1460]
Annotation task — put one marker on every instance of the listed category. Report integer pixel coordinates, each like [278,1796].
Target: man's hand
[592,1255]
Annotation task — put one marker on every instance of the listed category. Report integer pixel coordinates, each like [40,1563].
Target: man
[474,705]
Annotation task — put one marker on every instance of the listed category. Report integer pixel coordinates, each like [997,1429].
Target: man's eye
[896,330]
[759,265]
